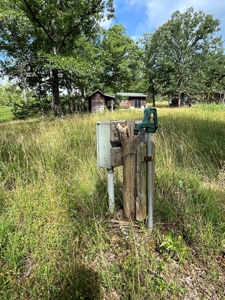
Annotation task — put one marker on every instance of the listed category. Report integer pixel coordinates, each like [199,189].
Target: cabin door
[137,103]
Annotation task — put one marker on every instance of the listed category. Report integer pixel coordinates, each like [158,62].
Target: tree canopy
[45,33]
[57,45]
[177,53]
[120,61]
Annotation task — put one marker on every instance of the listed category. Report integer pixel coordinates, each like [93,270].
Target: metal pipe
[110,177]
[150,181]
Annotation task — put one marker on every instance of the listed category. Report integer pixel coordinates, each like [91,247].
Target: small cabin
[182,99]
[98,101]
[132,100]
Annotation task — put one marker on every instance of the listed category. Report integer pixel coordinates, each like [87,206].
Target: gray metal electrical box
[103,144]
[109,150]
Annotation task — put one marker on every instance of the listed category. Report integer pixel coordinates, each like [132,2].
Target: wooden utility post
[119,146]
[129,143]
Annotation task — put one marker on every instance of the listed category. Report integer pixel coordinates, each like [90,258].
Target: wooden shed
[98,101]
[132,100]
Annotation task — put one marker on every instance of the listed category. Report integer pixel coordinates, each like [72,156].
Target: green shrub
[32,109]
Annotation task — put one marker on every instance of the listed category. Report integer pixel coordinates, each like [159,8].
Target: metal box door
[103,144]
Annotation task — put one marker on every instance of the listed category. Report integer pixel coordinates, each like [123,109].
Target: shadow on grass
[81,283]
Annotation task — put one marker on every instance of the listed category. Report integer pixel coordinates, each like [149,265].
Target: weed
[175,246]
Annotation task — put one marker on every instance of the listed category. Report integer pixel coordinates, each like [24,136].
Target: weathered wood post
[129,145]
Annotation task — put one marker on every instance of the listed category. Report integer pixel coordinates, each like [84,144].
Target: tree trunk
[24,93]
[70,102]
[83,98]
[57,108]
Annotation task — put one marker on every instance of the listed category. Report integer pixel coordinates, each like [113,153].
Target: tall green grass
[56,237]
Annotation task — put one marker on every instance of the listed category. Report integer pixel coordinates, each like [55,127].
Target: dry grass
[57,240]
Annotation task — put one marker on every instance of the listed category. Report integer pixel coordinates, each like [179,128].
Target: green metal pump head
[150,127]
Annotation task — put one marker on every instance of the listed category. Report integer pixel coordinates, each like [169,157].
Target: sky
[144,16]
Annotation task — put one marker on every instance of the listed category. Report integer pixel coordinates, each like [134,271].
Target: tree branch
[36,19]
[91,11]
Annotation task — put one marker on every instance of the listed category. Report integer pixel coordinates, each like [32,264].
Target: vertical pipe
[110,178]
[150,181]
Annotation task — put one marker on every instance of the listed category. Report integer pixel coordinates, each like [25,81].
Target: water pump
[150,127]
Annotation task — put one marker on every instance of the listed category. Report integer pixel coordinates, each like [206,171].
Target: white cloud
[144,16]
[158,12]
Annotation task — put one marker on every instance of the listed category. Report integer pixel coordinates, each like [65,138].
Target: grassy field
[57,240]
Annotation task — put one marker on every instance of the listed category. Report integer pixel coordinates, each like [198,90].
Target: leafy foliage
[32,109]
[9,94]
[47,31]
[121,67]
[177,53]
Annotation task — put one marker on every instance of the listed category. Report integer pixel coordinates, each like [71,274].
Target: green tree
[215,71]
[9,94]
[120,61]
[47,32]
[176,53]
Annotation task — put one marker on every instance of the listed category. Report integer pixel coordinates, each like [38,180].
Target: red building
[132,100]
